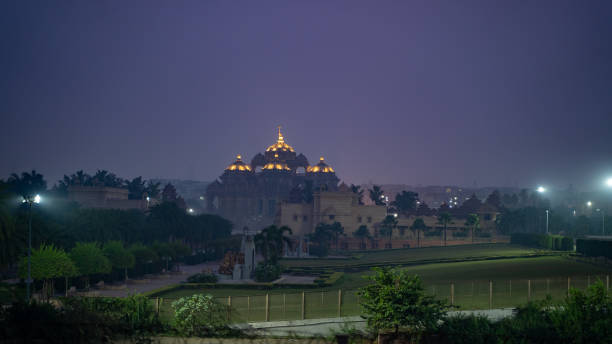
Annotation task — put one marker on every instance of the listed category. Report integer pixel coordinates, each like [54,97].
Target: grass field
[513,282]
[413,256]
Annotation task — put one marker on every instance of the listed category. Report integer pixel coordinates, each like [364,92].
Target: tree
[152,189]
[356,189]
[387,226]
[377,195]
[47,263]
[396,300]
[198,315]
[165,252]
[28,184]
[473,221]
[136,188]
[10,242]
[119,257]
[90,260]
[270,242]
[406,202]
[321,237]
[362,233]
[444,219]
[418,225]
[494,199]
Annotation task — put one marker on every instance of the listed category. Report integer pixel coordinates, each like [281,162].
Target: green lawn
[412,256]
[514,281]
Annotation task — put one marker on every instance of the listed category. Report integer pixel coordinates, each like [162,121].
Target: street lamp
[541,189]
[609,182]
[30,200]
[546,221]
[589,204]
[190,210]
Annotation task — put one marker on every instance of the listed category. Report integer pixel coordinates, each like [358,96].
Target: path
[329,326]
[158,281]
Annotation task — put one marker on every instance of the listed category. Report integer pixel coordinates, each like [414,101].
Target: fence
[472,295]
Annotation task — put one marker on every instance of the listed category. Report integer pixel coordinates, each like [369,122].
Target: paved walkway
[157,281]
[330,326]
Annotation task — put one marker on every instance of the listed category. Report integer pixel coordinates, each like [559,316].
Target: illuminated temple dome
[321,167]
[238,165]
[249,194]
[280,145]
[276,164]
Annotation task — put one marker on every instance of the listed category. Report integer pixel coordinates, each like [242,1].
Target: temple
[250,195]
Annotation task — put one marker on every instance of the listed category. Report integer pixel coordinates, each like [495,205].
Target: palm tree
[356,189]
[362,233]
[387,226]
[376,195]
[270,241]
[473,221]
[28,184]
[418,225]
[444,219]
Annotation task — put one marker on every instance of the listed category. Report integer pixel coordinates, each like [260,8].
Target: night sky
[506,93]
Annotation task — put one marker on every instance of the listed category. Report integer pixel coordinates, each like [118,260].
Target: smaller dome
[321,167]
[238,165]
[276,164]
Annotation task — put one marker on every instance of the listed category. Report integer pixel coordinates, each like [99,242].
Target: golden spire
[238,157]
[280,136]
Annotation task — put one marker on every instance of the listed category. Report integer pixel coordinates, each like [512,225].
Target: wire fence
[471,295]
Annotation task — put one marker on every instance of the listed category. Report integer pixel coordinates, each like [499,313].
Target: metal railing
[470,295]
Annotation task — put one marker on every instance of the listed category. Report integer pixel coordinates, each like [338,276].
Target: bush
[198,315]
[551,242]
[467,330]
[134,311]
[203,278]
[594,248]
[44,323]
[267,272]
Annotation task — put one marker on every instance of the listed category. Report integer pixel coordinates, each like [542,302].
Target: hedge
[594,248]
[551,242]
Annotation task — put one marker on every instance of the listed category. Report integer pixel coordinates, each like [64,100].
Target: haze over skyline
[504,94]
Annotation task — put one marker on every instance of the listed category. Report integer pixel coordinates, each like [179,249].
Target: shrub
[198,315]
[267,272]
[203,278]
[134,311]
[471,329]
[594,248]
[551,242]
[44,323]
[396,300]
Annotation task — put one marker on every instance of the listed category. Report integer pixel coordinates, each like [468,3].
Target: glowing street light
[190,210]
[30,200]
[609,182]
[589,204]
[541,189]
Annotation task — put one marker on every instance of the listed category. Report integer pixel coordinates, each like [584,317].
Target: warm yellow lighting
[280,144]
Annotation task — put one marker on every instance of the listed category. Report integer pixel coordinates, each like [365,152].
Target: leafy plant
[119,257]
[267,272]
[47,263]
[90,260]
[203,278]
[198,315]
[396,300]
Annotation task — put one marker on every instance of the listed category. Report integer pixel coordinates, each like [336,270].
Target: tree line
[63,225]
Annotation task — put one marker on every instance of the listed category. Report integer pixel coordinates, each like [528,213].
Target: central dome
[321,167]
[280,145]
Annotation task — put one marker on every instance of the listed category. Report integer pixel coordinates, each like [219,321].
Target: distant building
[250,194]
[104,197]
[341,206]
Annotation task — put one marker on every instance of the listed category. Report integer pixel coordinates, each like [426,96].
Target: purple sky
[432,92]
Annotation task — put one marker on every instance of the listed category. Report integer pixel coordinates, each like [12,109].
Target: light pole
[30,200]
[541,190]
